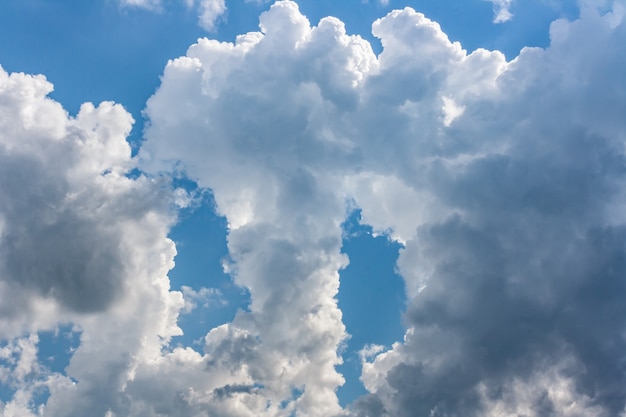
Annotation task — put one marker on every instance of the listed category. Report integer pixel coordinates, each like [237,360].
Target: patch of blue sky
[200,239]
[54,352]
[56,348]
[39,399]
[296,393]
[93,50]
[371,298]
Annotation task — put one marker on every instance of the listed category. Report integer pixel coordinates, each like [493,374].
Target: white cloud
[502,10]
[210,12]
[499,177]
[509,212]
[450,111]
[81,243]
[284,239]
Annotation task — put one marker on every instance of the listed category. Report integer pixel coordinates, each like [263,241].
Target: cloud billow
[80,243]
[503,180]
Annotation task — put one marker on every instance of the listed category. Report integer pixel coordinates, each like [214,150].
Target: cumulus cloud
[284,218]
[514,291]
[81,243]
[504,180]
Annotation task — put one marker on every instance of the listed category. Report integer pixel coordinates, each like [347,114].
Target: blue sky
[411,208]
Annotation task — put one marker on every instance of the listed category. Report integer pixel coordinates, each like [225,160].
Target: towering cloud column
[250,121]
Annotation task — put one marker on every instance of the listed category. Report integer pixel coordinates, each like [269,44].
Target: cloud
[80,243]
[145,4]
[514,292]
[20,371]
[209,11]
[383,3]
[504,180]
[204,297]
[285,235]
[502,10]
[54,171]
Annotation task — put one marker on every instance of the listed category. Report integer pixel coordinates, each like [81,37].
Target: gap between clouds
[503,180]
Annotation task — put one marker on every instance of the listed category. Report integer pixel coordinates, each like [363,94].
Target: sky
[354,208]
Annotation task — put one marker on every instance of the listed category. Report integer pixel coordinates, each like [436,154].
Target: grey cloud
[68,261]
[528,274]
[368,405]
[228,390]
[47,243]
[82,244]
[48,247]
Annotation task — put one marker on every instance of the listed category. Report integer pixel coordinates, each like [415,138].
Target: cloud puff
[80,242]
[55,175]
[503,179]
[210,11]
[204,297]
[502,10]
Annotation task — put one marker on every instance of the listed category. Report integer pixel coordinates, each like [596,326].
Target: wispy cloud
[144,4]
[209,11]
[502,10]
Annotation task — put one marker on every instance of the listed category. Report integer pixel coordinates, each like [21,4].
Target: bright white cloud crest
[504,181]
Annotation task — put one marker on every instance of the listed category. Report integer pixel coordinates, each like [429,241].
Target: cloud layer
[504,181]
